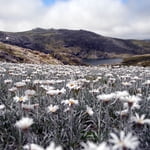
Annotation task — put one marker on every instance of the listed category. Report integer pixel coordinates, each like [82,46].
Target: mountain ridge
[72,46]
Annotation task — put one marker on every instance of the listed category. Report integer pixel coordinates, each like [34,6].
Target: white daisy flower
[62,91]
[30,92]
[7,81]
[36,82]
[126,83]
[29,107]
[94,91]
[13,89]
[32,147]
[20,84]
[67,109]
[131,99]
[24,123]
[119,94]
[73,85]
[70,102]
[106,97]
[52,108]
[97,79]
[52,146]
[2,106]
[52,92]
[20,99]
[123,113]
[147,82]
[47,87]
[134,106]
[124,141]
[89,110]
[91,146]
[140,120]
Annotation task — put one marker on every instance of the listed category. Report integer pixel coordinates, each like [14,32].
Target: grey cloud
[107,17]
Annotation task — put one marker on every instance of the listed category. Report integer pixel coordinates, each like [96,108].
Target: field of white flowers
[48,107]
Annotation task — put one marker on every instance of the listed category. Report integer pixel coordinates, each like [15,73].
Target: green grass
[142,60]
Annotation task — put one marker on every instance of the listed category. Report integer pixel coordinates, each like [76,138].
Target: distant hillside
[72,46]
[16,54]
[140,60]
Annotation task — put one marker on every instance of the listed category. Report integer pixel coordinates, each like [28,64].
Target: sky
[116,18]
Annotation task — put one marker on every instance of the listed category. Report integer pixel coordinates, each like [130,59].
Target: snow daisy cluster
[49,107]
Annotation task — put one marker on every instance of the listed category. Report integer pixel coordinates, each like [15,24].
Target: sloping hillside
[140,60]
[16,54]
[72,46]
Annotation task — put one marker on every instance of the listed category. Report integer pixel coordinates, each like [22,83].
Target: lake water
[102,61]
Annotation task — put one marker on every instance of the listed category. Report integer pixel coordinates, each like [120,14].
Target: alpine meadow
[74,74]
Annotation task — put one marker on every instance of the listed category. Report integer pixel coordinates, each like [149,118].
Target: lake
[102,61]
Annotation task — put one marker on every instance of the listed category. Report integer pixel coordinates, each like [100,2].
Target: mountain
[15,54]
[72,46]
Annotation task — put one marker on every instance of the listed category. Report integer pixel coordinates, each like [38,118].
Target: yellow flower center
[71,85]
[71,102]
[20,98]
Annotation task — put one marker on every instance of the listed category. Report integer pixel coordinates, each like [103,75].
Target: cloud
[89,14]
[115,18]
[17,15]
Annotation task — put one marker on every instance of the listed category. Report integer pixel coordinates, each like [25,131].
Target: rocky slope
[15,54]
